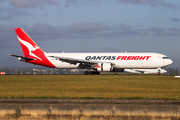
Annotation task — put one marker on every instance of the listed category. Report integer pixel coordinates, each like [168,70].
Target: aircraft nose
[167,62]
[171,61]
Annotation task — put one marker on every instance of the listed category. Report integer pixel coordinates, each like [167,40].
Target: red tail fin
[31,49]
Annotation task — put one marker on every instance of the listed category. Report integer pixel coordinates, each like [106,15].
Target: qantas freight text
[117,58]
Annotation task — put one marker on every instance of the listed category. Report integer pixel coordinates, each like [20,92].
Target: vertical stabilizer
[31,49]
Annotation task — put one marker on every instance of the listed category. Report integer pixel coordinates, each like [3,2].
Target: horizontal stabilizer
[22,57]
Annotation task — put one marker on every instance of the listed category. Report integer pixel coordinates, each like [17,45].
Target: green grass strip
[90,86]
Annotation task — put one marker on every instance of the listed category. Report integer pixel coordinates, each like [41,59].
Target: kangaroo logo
[30,48]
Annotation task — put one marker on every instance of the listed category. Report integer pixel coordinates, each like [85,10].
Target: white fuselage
[120,60]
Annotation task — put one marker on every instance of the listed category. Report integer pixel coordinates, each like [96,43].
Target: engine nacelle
[107,67]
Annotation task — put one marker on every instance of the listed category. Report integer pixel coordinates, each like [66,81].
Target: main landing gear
[91,73]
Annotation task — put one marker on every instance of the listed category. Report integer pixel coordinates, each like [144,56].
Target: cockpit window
[165,57]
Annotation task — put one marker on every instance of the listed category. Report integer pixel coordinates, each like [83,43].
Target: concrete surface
[89,109]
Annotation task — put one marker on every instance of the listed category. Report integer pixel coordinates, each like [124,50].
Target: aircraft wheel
[158,73]
[97,73]
[90,72]
[86,72]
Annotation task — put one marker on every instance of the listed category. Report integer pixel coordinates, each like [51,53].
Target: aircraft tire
[90,72]
[158,73]
[97,73]
[86,72]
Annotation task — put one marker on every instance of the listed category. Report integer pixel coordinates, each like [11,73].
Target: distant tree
[15,71]
[19,71]
[30,70]
[11,71]
[40,71]
[48,71]
[173,71]
[24,71]
[176,71]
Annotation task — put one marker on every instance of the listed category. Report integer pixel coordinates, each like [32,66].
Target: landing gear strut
[91,73]
[159,71]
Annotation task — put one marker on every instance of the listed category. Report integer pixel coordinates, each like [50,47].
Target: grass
[90,86]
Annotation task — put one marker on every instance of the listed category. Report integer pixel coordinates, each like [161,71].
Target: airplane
[94,63]
[145,71]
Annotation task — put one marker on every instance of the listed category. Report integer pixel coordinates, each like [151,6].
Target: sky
[91,26]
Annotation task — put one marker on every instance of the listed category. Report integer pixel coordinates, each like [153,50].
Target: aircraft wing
[75,60]
[27,58]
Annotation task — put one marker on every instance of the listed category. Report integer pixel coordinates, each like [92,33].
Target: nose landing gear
[159,71]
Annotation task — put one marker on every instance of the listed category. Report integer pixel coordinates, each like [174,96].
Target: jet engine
[108,67]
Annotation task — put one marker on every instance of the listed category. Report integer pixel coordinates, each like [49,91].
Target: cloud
[2,1]
[175,19]
[68,2]
[32,3]
[16,7]
[173,29]
[108,49]
[8,38]
[155,29]
[153,3]
[88,27]
[82,30]
[82,2]
[9,13]
[123,27]
[95,30]
[169,32]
